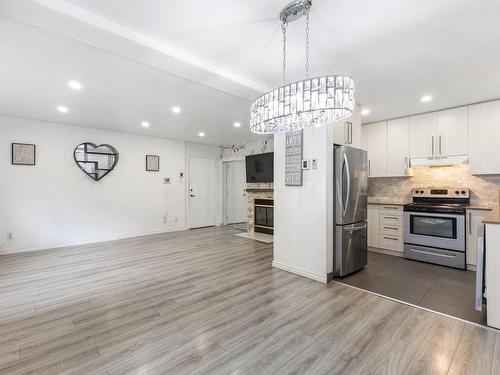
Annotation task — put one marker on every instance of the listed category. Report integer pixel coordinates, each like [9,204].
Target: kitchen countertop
[493,218]
[479,207]
[387,201]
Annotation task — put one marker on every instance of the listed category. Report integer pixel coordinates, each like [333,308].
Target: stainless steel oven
[445,231]
[434,227]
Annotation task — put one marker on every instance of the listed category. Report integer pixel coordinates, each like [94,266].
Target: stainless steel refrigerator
[351,229]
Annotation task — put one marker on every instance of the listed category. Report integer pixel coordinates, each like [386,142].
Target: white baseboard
[298,271]
[85,242]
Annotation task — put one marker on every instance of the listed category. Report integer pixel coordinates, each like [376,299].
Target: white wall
[256,146]
[300,225]
[55,204]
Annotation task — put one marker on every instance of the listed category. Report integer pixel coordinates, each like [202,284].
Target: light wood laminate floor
[206,301]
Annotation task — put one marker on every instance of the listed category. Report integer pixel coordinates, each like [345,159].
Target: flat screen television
[260,167]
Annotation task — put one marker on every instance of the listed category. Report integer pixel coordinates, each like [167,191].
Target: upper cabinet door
[375,142]
[348,132]
[451,134]
[484,138]
[398,147]
[423,135]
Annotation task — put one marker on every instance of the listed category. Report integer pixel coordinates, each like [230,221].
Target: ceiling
[137,58]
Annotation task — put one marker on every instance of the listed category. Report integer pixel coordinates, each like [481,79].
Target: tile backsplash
[484,189]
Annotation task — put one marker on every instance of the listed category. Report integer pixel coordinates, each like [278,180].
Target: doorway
[202,192]
[235,196]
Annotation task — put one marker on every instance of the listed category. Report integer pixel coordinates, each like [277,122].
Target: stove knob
[463,192]
[457,192]
[421,192]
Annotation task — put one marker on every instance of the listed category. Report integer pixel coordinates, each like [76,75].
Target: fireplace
[264,216]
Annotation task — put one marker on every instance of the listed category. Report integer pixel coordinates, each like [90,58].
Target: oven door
[445,231]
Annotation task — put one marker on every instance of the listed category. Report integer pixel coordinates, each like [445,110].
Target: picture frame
[152,163]
[23,154]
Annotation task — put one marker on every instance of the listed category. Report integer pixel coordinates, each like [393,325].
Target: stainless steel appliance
[350,189]
[434,227]
[481,294]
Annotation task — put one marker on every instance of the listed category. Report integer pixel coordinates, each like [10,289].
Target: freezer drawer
[351,245]
[437,256]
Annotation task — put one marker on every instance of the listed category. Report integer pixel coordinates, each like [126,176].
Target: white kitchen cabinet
[398,147]
[373,225]
[451,132]
[423,135]
[484,138]
[473,220]
[348,132]
[374,137]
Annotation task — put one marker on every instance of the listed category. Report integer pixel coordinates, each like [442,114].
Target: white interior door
[240,183]
[235,192]
[202,192]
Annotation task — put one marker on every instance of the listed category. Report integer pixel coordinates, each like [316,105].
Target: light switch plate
[306,164]
[314,164]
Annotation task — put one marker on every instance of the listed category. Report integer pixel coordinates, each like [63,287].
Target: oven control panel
[441,193]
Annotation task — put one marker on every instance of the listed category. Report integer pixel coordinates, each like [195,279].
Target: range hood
[436,161]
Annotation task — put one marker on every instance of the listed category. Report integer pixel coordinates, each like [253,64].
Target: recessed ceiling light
[365,112]
[63,109]
[201,134]
[176,109]
[237,124]
[75,85]
[426,99]
[145,124]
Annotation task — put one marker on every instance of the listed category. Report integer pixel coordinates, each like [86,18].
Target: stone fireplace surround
[256,191]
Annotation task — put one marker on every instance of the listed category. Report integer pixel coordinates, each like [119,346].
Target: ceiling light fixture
[201,134]
[310,102]
[145,124]
[63,109]
[365,112]
[237,124]
[176,109]
[75,85]
[426,99]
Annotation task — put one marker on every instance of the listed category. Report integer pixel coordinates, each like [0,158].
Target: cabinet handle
[369,167]
[440,153]
[432,145]
[391,217]
[390,208]
[346,132]
[350,132]
[391,228]
[391,238]
[470,223]
[406,165]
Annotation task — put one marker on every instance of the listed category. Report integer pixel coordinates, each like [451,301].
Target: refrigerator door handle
[348,174]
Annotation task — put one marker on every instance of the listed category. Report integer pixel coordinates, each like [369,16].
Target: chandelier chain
[307,43]
[284,25]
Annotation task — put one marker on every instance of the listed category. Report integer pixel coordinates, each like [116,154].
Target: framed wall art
[152,163]
[23,154]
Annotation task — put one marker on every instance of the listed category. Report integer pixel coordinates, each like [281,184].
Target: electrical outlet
[9,236]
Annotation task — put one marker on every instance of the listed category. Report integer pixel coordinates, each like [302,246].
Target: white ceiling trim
[59,17]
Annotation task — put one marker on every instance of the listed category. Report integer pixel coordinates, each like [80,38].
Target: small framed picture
[152,163]
[23,154]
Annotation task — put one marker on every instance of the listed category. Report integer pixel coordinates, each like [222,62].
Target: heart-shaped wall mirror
[95,161]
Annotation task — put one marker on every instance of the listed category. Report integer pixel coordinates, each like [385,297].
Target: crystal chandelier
[303,104]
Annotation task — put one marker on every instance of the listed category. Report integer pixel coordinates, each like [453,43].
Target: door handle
[192,195]
[348,183]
